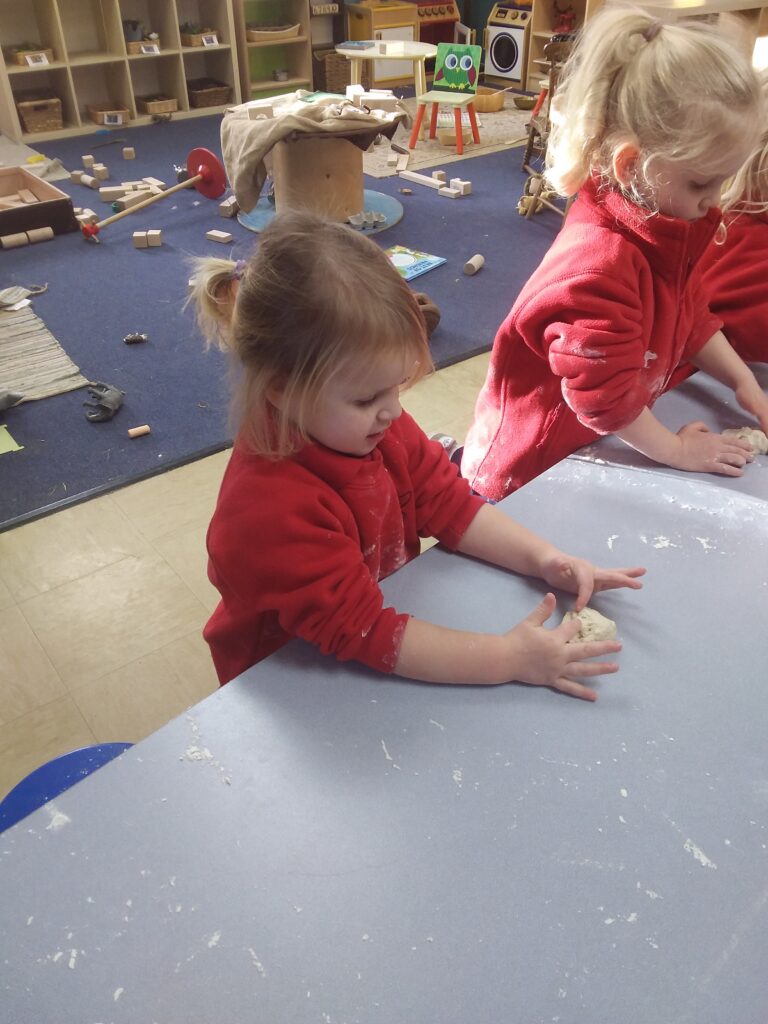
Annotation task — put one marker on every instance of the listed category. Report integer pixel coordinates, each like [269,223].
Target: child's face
[689,190]
[355,409]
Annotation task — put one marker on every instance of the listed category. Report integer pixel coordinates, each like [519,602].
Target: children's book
[357,44]
[411,263]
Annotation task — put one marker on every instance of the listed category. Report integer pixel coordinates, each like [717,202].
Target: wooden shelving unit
[260,59]
[91,64]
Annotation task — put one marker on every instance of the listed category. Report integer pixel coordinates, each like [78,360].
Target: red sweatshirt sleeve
[445,504]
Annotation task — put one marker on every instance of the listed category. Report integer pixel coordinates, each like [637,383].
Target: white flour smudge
[699,855]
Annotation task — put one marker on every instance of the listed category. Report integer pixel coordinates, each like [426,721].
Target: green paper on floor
[7,443]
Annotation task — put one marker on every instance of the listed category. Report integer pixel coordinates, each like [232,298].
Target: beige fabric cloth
[246,143]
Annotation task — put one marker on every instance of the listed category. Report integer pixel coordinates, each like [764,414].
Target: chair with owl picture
[457,67]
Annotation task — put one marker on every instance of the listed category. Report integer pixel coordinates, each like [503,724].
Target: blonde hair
[676,91]
[316,299]
[747,192]
[212,290]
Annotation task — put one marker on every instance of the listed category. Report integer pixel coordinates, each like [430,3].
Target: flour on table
[594,626]
[756,438]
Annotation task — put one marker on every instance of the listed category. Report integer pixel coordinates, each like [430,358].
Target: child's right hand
[544,657]
[703,451]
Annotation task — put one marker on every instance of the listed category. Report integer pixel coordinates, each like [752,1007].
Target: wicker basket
[39,111]
[254,34]
[157,104]
[106,114]
[132,46]
[196,39]
[207,92]
[331,72]
[20,56]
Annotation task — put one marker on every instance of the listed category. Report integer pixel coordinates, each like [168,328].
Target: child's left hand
[754,400]
[583,579]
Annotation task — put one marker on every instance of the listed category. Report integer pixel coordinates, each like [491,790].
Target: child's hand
[702,451]
[754,400]
[544,657]
[580,577]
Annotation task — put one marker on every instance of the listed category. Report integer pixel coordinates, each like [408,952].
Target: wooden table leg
[355,71]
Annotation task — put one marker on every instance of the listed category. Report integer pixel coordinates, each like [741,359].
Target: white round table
[417,53]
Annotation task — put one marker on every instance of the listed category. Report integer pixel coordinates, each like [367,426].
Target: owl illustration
[458,71]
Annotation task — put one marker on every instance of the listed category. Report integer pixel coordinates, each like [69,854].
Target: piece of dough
[594,626]
[756,438]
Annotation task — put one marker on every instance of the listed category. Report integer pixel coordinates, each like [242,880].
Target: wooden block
[440,175]
[154,237]
[140,240]
[228,207]
[131,199]
[392,158]
[465,187]
[88,161]
[449,193]
[40,234]
[14,241]
[402,163]
[422,179]
[129,153]
[100,172]
[139,431]
[133,184]
[474,264]
[76,176]
[156,182]
[27,197]
[109,193]
[218,236]
[89,180]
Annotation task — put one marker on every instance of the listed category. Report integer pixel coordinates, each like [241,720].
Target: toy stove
[436,20]
[506,41]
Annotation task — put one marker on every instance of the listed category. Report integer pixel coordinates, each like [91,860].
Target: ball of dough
[594,626]
[756,438]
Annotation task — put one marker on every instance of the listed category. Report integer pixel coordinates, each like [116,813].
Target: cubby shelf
[92,66]
[259,59]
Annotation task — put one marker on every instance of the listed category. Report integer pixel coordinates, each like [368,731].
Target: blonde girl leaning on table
[736,267]
[331,485]
[649,121]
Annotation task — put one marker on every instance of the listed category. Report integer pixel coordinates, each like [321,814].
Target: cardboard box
[54,208]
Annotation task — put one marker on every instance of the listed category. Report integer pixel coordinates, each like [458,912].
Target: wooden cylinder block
[322,175]
[139,431]
[474,264]
[14,241]
[40,234]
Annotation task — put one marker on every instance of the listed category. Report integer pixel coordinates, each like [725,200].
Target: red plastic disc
[213,182]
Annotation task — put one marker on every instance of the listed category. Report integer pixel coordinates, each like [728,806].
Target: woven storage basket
[134,46]
[39,112]
[157,104]
[207,92]
[331,72]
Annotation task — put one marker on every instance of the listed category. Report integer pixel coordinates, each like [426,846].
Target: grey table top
[698,398]
[314,843]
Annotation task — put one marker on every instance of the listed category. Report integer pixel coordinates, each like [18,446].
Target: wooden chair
[457,67]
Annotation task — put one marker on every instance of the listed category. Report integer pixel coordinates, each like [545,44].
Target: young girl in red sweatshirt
[649,121]
[331,485]
[736,270]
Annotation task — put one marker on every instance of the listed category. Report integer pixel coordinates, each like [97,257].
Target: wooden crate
[157,104]
[52,209]
[207,92]
[39,111]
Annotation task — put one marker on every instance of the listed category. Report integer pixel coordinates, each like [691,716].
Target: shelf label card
[150,48]
[210,39]
[113,119]
[35,60]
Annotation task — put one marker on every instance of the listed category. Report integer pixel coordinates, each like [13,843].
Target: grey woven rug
[32,362]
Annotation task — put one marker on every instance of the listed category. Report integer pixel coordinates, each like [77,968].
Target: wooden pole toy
[206,175]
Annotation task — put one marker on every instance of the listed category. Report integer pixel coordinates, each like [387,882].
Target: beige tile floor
[102,605]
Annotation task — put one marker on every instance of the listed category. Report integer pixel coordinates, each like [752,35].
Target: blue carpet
[98,293]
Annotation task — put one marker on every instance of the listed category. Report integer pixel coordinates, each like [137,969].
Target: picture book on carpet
[411,263]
